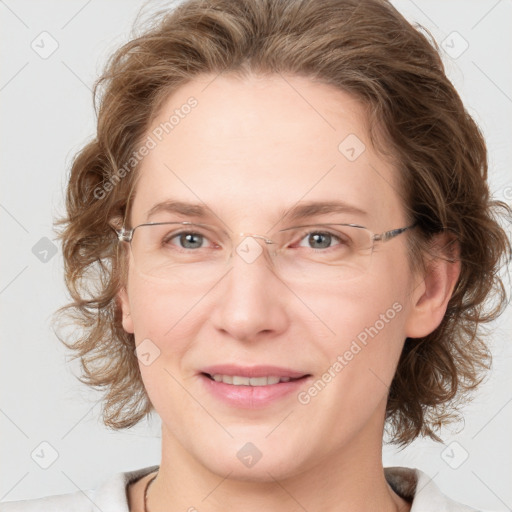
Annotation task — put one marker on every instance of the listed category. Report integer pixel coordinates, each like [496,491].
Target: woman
[287,220]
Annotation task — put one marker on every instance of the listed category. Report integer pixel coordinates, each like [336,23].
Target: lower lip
[252,397]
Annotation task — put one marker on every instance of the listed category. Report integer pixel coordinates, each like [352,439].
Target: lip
[252,397]
[253,371]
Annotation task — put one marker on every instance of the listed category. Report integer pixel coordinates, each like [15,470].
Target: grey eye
[187,239]
[320,240]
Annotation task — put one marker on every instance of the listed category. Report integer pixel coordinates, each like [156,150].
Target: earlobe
[431,296]
[124,305]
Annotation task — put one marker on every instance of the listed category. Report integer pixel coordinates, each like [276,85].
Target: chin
[258,461]
[263,471]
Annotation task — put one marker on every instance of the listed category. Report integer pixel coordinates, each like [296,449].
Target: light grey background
[47,115]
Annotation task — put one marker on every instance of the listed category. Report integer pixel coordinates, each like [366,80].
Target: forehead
[250,149]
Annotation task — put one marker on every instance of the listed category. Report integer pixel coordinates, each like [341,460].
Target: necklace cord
[146,491]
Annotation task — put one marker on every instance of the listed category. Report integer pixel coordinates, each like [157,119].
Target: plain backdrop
[51,53]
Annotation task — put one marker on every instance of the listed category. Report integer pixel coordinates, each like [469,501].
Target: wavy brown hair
[365,48]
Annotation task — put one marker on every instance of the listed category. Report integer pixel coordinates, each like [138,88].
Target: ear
[124,304]
[434,287]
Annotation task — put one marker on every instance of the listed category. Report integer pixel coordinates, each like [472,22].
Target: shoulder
[78,501]
[420,490]
[110,495]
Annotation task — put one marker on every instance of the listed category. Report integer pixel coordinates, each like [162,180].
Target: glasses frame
[126,235]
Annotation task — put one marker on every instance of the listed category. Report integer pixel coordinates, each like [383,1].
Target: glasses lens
[323,253]
[198,253]
[171,251]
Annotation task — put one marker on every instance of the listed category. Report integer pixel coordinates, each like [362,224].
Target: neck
[351,478]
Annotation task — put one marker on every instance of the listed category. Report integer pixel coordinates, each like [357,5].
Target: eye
[323,239]
[186,239]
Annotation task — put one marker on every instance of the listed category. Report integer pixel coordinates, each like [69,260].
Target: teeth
[237,380]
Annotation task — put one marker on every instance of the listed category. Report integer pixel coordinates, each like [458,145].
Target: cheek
[370,339]
[166,323]
[162,329]
[359,362]
[362,309]
[366,323]
[160,310]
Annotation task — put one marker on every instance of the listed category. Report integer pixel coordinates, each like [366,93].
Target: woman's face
[248,151]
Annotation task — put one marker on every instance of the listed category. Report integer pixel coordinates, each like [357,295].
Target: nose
[251,297]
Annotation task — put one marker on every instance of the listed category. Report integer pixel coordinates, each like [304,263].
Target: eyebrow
[313,208]
[181,207]
[298,212]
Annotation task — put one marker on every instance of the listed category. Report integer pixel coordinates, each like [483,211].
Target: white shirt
[111,496]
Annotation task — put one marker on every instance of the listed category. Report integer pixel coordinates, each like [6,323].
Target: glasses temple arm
[388,235]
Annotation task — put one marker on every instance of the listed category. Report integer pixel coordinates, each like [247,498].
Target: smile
[238,380]
[252,391]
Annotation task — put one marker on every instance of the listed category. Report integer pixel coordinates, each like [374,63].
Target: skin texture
[249,149]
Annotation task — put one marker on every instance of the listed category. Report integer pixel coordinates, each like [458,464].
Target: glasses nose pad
[250,249]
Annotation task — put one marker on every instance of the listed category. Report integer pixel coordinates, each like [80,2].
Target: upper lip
[253,371]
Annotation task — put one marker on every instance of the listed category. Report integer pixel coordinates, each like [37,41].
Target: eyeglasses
[199,253]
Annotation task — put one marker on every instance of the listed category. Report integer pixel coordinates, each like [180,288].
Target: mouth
[252,387]
[240,380]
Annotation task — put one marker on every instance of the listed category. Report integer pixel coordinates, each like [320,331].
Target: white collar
[410,483]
